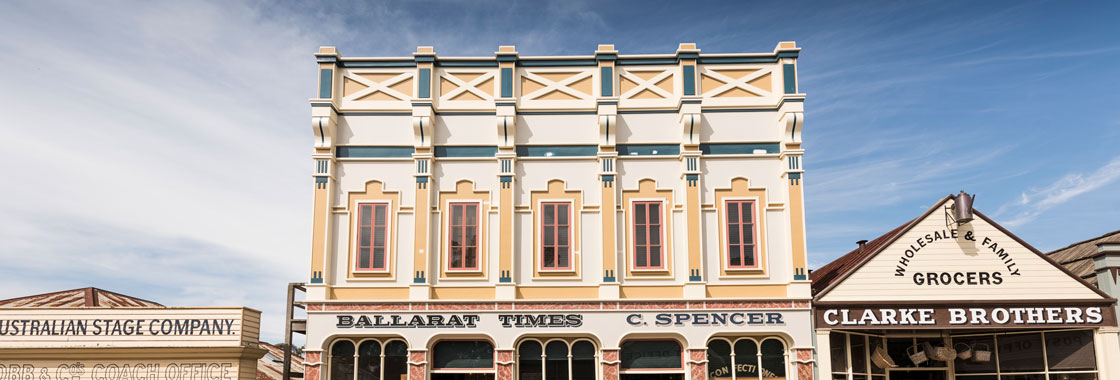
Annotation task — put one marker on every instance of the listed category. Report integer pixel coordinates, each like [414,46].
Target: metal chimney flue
[963,207]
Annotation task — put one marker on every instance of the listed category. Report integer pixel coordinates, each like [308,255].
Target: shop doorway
[918,374]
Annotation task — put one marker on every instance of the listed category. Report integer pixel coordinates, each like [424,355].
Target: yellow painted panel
[556,77]
[350,86]
[708,83]
[747,291]
[740,189]
[736,92]
[378,77]
[378,95]
[762,82]
[488,87]
[378,293]
[446,86]
[556,191]
[467,95]
[671,291]
[559,292]
[647,94]
[529,86]
[404,87]
[645,75]
[463,293]
[625,85]
[582,85]
[467,77]
[666,84]
[557,95]
[737,74]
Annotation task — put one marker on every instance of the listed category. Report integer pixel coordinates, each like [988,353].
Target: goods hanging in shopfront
[949,297]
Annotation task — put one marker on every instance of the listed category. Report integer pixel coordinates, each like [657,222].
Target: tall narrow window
[373,237]
[741,250]
[463,240]
[647,235]
[555,235]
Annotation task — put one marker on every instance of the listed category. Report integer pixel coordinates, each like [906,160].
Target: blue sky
[162,150]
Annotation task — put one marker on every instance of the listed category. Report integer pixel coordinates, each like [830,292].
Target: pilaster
[793,175]
[324,117]
[607,106]
[610,361]
[697,363]
[505,106]
[422,119]
[1106,263]
[689,120]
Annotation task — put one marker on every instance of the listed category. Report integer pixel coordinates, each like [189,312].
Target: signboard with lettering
[127,327]
[989,316]
[120,370]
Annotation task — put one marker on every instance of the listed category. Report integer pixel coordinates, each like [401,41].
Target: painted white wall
[374,130]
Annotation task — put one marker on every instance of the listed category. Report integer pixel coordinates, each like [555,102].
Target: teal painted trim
[467,63]
[689,80]
[632,112]
[425,58]
[692,101]
[465,151]
[738,148]
[606,73]
[326,59]
[787,54]
[326,81]
[770,59]
[627,150]
[558,62]
[646,61]
[360,64]
[465,113]
[557,150]
[507,82]
[425,84]
[374,151]
[606,57]
[688,55]
[607,102]
[789,74]
[505,103]
[507,58]
[375,113]
[557,113]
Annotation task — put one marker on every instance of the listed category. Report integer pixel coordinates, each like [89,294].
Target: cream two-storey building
[605,216]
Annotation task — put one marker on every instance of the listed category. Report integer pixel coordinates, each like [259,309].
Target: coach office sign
[996,316]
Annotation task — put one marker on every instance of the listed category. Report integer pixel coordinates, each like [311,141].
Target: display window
[556,359]
[462,360]
[747,358]
[658,359]
[368,359]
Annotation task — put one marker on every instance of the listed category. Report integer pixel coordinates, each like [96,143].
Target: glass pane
[640,235]
[463,354]
[655,234]
[654,213]
[748,234]
[549,215]
[529,360]
[733,234]
[651,354]
[472,215]
[342,360]
[748,255]
[363,257]
[858,349]
[746,359]
[655,256]
[735,258]
[640,257]
[549,257]
[839,376]
[562,259]
[470,235]
[1020,353]
[549,237]
[563,235]
[933,342]
[748,212]
[379,216]
[556,361]
[1070,351]
[379,236]
[839,348]
[396,360]
[640,213]
[1035,376]
[973,377]
[456,257]
[562,214]
[364,216]
[456,215]
[379,258]
[859,377]
[363,236]
[773,359]
[583,360]
[456,236]
[732,212]
[719,359]
[1073,376]
[369,360]
[471,258]
[874,342]
[896,349]
[977,347]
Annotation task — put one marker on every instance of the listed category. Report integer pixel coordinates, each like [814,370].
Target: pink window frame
[660,231]
[556,241]
[372,238]
[753,230]
[476,223]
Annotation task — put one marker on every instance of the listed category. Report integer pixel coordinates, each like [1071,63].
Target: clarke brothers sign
[1000,316]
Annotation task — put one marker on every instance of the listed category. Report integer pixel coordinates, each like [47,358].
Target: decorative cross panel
[467,89]
[377,89]
[737,85]
[564,87]
[648,87]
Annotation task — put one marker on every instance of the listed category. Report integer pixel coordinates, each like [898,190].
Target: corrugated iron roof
[271,365]
[1077,257]
[83,297]
[825,275]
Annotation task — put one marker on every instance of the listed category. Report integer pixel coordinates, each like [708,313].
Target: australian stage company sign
[1017,316]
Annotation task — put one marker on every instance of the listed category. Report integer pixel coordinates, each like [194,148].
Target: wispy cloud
[1034,202]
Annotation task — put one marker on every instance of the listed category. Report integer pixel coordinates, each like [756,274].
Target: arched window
[454,359]
[719,359]
[745,359]
[773,359]
[640,359]
[371,360]
[342,360]
[556,360]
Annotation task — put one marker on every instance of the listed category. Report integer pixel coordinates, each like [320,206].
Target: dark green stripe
[374,151]
[625,150]
[737,148]
[557,150]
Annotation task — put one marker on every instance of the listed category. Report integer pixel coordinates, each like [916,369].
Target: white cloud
[1034,202]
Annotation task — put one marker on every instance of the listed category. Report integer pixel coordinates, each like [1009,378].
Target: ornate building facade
[604,216]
